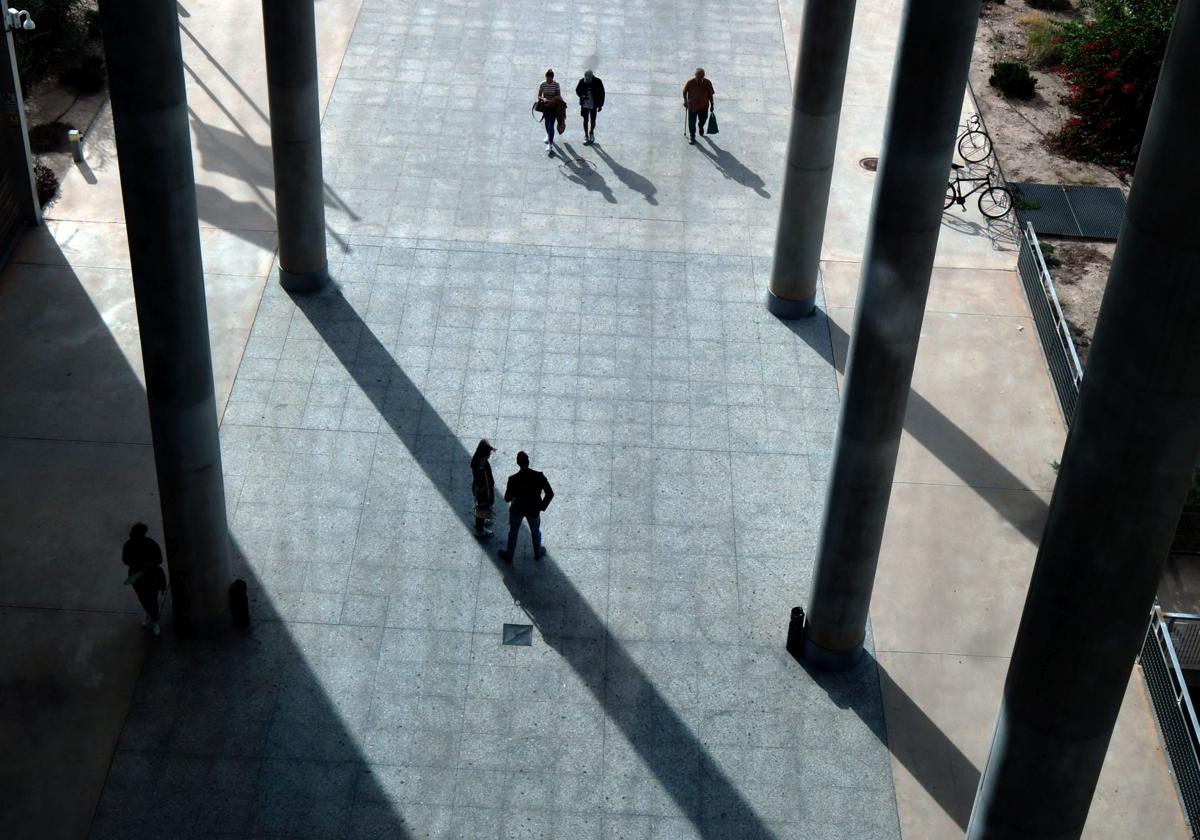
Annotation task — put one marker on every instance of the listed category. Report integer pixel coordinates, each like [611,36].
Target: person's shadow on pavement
[582,172]
[733,168]
[637,183]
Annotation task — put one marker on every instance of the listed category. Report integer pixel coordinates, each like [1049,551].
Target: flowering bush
[1111,61]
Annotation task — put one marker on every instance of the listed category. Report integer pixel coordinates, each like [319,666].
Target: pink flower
[1115,53]
[1110,75]
[1128,88]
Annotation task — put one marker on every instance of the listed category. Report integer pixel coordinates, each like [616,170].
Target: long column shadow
[941,768]
[238,737]
[703,793]
[954,447]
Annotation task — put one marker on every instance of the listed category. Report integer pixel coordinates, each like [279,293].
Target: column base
[790,309]
[831,660]
[312,281]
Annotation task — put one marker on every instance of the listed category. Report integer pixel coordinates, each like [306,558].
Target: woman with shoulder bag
[483,488]
[549,96]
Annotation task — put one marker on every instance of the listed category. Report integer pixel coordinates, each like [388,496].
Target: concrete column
[149,104]
[1120,490]
[291,44]
[928,85]
[816,111]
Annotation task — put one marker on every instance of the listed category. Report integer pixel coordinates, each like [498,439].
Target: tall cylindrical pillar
[290,32]
[816,111]
[929,79]
[150,117]
[1124,475]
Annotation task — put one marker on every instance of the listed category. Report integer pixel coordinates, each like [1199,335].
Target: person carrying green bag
[698,98]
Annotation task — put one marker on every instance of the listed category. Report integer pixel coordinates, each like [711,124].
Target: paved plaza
[602,310]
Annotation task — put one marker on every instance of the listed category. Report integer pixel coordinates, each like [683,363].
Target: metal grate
[1176,717]
[1057,346]
[517,634]
[1088,212]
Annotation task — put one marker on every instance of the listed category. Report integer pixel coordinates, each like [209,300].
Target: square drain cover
[518,634]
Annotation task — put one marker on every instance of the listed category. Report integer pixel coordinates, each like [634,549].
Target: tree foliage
[1111,59]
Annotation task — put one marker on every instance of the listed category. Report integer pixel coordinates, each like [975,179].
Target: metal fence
[1065,370]
[1173,644]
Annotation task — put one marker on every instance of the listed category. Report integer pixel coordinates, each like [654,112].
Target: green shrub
[47,182]
[1048,254]
[61,34]
[1043,45]
[1012,79]
[1050,5]
[85,77]
[1111,61]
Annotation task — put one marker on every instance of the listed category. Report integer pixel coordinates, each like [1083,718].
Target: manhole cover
[518,634]
[869,163]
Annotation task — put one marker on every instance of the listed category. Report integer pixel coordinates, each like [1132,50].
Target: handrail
[1048,285]
[1183,697]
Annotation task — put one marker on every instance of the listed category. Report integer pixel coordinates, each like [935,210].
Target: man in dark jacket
[144,559]
[528,494]
[590,91]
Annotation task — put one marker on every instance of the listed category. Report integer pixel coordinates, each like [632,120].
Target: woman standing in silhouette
[483,488]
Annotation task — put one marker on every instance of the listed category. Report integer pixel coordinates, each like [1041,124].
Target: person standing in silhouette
[483,488]
[528,494]
[698,96]
[144,559]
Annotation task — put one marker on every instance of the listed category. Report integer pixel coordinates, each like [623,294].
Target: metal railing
[1170,638]
[1066,372]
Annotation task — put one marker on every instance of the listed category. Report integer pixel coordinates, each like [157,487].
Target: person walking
[554,109]
[590,91]
[483,488]
[528,493]
[144,559]
[698,97]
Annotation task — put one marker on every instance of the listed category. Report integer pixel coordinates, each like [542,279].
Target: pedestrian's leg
[584,113]
[691,123]
[514,528]
[702,118]
[550,119]
[149,601]
[535,531]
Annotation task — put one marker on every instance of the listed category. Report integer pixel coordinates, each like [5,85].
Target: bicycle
[995,201]
[974,144]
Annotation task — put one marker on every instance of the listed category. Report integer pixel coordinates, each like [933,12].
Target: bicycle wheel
[951,196]
[974,146]
[996,202]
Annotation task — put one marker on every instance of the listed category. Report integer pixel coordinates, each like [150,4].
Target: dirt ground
[48,103]
[1019,130]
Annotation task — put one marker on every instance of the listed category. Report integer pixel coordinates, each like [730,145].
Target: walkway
[601,310]
[973,480]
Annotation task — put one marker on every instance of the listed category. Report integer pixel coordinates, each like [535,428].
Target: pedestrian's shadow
[581,171]
[733,168]
[637,183]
